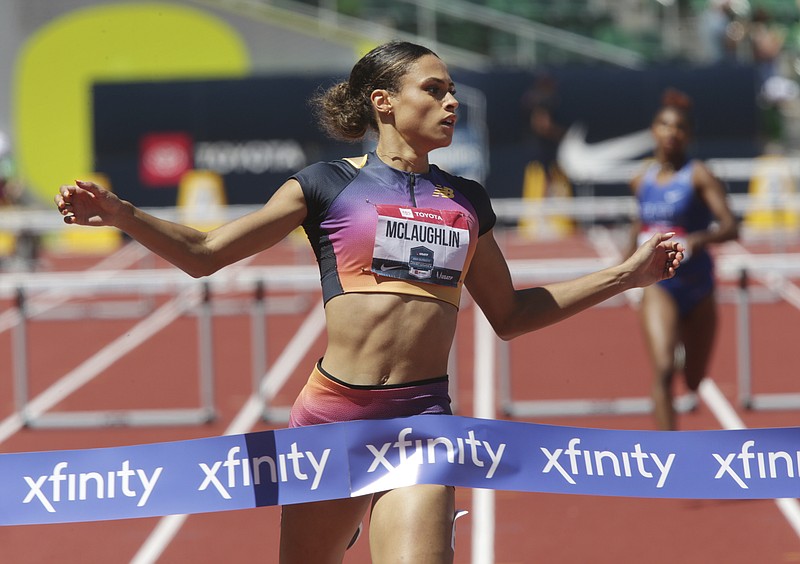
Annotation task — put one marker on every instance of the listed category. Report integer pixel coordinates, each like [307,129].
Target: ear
[381,101]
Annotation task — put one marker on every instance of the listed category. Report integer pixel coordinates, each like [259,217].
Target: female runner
[396,238]
[680,194]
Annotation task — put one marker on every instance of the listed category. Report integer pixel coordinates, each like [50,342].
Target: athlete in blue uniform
[679,194]
[396,239]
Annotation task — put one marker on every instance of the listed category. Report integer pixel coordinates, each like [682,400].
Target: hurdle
[772,271]
[542,271]
[268,379]
[192,298]
[205,413]
[573,407]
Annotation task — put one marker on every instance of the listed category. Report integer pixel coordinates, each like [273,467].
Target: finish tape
[354,458]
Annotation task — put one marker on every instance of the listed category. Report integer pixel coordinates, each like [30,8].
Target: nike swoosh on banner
[581,160]
[385,268]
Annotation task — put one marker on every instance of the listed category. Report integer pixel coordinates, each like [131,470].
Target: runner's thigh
[413,524]
[320,531]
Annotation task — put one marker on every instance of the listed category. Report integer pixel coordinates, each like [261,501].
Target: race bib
[420,244]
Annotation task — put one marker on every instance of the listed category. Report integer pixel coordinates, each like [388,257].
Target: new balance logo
[442,192]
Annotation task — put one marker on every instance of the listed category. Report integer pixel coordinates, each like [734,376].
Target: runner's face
[425,106]
[671,132]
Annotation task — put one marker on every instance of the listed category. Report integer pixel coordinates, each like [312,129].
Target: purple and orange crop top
[375,228]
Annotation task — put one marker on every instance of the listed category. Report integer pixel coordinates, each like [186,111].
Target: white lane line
[169,526]
[729,419]
[789,507]
[721,408]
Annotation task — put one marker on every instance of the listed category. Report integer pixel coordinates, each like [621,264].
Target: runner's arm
[196,252]
[513,312]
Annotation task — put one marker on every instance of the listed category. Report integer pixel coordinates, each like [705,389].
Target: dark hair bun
[674,98]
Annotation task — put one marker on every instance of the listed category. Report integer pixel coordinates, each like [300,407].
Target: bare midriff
[378,339]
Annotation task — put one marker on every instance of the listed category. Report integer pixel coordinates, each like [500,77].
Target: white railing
[597,208]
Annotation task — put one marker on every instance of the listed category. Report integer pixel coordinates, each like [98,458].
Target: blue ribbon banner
[360,457]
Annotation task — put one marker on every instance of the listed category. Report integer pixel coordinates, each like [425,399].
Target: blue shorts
[692,283]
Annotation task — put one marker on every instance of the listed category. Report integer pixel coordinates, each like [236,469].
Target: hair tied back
[674,98]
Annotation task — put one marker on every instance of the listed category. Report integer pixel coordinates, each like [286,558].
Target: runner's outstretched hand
[86,203]
[656,259]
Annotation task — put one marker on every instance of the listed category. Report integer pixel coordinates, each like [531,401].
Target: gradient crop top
[374,228]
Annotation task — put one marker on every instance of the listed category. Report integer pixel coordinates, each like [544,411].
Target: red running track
[597,354]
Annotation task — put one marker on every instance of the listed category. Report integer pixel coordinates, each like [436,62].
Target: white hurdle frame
[193,297]
[26,288]
[573,407]
[748,399]
[205,413]
[543,271]
[771,270]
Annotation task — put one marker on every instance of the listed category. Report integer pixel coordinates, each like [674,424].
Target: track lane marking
[291,356]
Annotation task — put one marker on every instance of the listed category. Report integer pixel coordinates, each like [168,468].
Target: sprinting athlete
[681,195]
[396,239]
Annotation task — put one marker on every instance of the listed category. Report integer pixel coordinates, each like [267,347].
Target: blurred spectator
[11,192]
[543,176]
[720,32]
[26,248]
[540,103]
[6,168]
[767,39]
